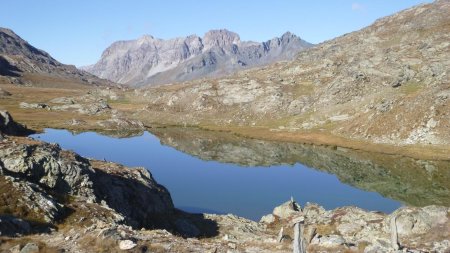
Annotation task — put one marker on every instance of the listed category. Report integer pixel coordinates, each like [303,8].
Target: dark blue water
[208,186]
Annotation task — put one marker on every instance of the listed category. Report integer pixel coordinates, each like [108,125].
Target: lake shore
[119,118]
[79,214]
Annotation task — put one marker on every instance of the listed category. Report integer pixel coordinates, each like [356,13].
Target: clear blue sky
[77,32]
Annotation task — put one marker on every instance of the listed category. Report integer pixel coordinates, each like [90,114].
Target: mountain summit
[150,61]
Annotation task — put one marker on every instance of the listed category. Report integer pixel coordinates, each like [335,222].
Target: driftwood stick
[280,235]
[299,245]
[394,235]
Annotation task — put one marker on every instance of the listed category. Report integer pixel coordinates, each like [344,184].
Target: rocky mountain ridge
[22,63]
[387,83]
[150,61]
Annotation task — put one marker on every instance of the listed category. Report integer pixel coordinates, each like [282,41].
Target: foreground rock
[351,229]
[347,229]
[43,184]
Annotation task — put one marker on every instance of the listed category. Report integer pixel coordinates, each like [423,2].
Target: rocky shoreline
[52,200]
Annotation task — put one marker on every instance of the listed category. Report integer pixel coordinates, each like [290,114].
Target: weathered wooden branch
[394,235]
[299,245]
[280,235]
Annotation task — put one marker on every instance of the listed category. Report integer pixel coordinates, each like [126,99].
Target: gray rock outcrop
[350,228]
[134,194]
[47,165]
[287,209]
[149,60]
[41,182]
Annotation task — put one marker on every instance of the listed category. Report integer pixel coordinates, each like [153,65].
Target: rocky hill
[388,83]
[22,63]
[150,60]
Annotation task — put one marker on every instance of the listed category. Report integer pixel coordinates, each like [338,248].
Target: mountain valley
[369,109]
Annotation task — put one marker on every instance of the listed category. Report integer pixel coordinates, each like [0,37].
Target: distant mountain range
[150,61]
[22,63]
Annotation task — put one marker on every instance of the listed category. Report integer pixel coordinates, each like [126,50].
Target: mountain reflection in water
[248,177]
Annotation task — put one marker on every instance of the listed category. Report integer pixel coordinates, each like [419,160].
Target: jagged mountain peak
[146,39]
[149,60]
[221,38]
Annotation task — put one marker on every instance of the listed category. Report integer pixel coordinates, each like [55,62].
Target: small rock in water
[126,244]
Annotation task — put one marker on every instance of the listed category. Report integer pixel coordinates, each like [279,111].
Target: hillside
[387,83]
[21,63]
[150,61]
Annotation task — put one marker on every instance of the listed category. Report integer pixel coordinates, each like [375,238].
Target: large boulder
[287,209]
[133,193]
[47,165]
[412,222]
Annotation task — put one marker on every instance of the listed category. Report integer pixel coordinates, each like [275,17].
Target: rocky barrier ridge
[53,200]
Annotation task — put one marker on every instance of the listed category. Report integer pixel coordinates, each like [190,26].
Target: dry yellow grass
[38,119]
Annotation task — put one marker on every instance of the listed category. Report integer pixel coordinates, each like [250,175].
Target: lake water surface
[223,173]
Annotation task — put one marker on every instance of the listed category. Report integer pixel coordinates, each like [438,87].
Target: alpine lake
[219,172]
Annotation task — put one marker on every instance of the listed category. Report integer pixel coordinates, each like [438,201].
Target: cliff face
[387,83]
[149,61]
